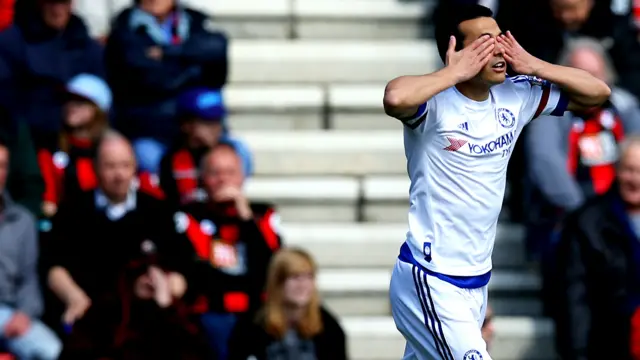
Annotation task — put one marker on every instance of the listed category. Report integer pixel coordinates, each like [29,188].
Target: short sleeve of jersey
[539,97]
[420,120]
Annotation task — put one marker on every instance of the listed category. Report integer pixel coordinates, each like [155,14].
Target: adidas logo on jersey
[464,126]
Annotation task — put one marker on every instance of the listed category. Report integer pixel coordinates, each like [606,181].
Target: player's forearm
[405,94]
[582,88]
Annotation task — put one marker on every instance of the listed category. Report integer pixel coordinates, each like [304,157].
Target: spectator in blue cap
[202,125]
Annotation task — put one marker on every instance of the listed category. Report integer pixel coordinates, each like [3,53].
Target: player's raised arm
[404,96]
[584,90]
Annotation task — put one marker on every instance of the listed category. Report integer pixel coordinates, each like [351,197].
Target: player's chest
[488,135]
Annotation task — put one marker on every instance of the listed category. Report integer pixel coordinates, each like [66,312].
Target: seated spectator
[573,158]
[66,161]
[202,126]
[147,322]
[25,182]
[598,276]
[119,220]
[20,298]
[40,53]
[545,30]
[292,324]
[235,240]
[156,50]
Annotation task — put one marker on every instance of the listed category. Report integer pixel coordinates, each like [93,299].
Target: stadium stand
[306,96]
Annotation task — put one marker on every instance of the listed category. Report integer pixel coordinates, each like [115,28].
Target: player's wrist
[538,68]
[454,74]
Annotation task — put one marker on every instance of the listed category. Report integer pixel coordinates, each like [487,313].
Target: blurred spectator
[147,323]
[39,54]
[119,220]
[158,49]
[573,159]
[234,239]
[6,13]
[598,269]
[25,182]
[202,126]
[20,297]
[66,161]
[292,324]
[545,29]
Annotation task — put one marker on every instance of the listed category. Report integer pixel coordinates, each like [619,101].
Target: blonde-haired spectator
[292,324]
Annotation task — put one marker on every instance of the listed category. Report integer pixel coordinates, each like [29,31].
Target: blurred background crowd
[150,149]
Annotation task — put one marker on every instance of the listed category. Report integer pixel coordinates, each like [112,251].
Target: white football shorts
[440,321]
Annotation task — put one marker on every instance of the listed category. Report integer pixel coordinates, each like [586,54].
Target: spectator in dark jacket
[143,322]
[292,324]
[25,182]
[120,220]
[545,28]
[599,270]
[202,115]
[43,50]
[20,297]
[156,50]
[234,240]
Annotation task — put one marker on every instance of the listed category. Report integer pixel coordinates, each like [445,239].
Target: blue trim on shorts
[429,313]
[463,282]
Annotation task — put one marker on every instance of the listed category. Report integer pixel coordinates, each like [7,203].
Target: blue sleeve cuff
[563,104]
[416,119]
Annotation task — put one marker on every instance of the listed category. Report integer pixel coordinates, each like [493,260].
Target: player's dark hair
[447,22]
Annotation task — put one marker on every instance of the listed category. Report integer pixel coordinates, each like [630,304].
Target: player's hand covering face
[520,60]
[469,61]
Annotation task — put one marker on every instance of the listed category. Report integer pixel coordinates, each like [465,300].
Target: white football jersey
[457,153]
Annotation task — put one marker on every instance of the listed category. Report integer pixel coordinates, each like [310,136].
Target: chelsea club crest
[506,118]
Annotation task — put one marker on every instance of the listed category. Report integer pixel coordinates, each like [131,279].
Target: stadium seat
[325,153]
[329,61]
[376,338]
[329,199]
[275,107]
[358,19]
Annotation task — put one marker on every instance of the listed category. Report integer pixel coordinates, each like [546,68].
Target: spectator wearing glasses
[158,49]
[66,160]
[292,324]
[45,47]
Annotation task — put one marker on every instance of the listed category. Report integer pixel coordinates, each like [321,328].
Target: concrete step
[358,107]
[337,198]
[329,61]
[376,245]
[287,153]
[275,107]
[327,199]
[364,292]
[516,338]
[359,19]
